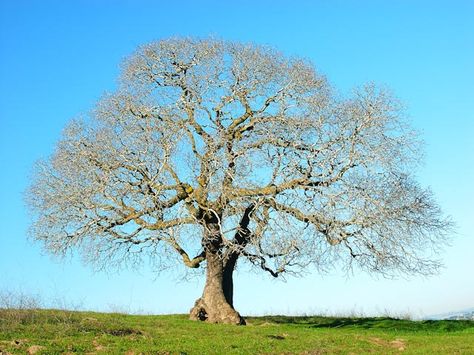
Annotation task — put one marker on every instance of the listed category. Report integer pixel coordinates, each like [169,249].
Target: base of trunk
[215,313]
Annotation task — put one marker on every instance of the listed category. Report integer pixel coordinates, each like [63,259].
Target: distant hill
[466,314]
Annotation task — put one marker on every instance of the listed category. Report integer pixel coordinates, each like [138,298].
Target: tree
[215,151]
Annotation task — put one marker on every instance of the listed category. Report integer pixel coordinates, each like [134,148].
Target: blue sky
[58,57]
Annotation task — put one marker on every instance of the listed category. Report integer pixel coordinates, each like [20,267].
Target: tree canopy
[235,151]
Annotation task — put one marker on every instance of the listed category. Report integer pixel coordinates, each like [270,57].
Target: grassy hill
[54,331]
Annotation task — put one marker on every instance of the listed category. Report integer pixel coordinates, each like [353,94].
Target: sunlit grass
[58,331]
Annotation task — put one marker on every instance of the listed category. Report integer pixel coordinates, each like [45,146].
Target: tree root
[223,313]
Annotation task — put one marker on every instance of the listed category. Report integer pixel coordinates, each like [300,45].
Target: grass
[59,331]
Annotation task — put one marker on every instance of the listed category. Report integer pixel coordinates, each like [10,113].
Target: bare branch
[236,150]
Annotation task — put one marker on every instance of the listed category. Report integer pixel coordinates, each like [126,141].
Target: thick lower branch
[192,263]
[241,238]
[260,261]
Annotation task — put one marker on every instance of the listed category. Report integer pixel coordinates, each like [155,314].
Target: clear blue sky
[58,57]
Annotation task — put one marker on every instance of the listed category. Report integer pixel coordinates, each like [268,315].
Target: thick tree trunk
[228,281]
[215,305]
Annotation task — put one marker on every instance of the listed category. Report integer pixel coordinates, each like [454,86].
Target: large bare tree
[217,151]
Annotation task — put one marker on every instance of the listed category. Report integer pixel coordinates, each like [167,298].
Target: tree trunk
[215,305]
[228,281]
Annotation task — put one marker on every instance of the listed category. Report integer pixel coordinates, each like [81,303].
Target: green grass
[54,332]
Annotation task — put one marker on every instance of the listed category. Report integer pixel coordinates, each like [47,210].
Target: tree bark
[241,239]
[215,305]
[228,281]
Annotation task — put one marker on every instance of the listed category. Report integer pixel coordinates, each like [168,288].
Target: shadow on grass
[386,323]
